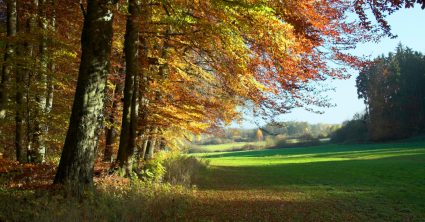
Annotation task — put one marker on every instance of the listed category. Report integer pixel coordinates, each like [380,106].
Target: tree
[379,10]
[79,151]
[190,66]
[259,135]
[131,89]
[7,68]
[392,90]
[111,125]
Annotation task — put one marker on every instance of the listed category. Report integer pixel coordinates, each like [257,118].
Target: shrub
[352,131]
[215,141]
[153,169]
[283,143]
[196,149]
[182,169]
[247,147]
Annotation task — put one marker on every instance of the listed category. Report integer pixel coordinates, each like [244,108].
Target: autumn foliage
[180,67]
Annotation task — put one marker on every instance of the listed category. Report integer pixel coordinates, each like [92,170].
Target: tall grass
[138,202]
[183,170]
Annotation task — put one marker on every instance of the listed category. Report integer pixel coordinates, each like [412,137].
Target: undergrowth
[161,192]
[138,201]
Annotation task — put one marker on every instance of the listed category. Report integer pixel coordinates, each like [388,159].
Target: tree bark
[52,67]
[40,125]
[19,116]
[79,151]
[20,88]
[50,80]
[26,73]
[130,107]
[152,144]
[12,21]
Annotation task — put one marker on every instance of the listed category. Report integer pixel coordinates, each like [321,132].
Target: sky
[407,24]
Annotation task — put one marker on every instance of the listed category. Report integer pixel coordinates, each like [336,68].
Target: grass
[368,182]
[226,146]
[137,203]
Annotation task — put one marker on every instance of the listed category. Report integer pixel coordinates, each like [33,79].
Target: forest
[391,88]
[99,100]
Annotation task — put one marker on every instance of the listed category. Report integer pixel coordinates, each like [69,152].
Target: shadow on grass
[324,150]
[268,209]
[401,170]
[254,206]
[384,189]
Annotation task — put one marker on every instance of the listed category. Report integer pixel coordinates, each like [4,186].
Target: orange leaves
[26,176]
[230,52]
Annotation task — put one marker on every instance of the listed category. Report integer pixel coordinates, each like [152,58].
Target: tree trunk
[79,151]
[12,20]
[130,107]
[111,132]
[19,116]
[50,80]
[52,67]
[19,104]
[7,69]
[40,126]
[152,144]
[110,138]
[27,72]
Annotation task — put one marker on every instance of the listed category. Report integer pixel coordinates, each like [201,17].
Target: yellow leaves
[64,53]
[221,54]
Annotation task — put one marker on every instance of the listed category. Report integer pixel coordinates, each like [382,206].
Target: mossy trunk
[80,148]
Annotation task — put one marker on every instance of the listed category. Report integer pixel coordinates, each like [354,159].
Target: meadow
[225,147]
[365,182]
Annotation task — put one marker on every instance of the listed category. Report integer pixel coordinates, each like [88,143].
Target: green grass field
[370,182]
[226,146]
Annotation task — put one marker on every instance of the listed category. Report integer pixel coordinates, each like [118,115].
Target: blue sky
[408,25]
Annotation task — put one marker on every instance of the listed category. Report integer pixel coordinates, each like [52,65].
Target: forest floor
[366,182]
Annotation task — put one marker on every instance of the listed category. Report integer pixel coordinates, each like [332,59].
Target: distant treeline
[283,130]
[393,89]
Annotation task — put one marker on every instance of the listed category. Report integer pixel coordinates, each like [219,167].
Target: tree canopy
[179,67]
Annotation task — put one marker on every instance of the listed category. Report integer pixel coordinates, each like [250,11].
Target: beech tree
[79,151]
[189,67]
[7,67]
[131,87]
[380,9]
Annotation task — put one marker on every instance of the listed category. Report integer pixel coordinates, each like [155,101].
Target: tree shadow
[330,148]
[387,170]
[385,189]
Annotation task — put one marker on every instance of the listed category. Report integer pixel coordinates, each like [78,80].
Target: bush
[196,149]
[352,131]
[247,147]
[172,168]
[283,143]
[153,169]
[215,141]
[183,170]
